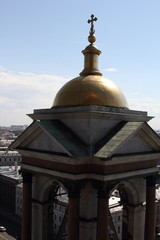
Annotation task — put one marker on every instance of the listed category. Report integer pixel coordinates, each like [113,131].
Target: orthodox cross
[92,31]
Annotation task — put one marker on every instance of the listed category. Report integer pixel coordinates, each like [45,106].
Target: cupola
[90,87]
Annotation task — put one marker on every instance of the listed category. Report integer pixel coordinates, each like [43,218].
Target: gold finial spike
[91,37]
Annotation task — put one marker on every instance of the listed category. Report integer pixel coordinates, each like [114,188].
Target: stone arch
[133,190]
[57,212]
[130,190]
[132,198]
[46,189]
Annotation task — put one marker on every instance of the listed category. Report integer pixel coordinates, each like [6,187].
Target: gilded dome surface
[90,90]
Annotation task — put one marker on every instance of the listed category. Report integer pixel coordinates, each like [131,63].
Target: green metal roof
[115,141]
[65,136]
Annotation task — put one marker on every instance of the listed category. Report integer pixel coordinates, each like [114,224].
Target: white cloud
[149,105]
[2,68]
[145,104]
[22,92]
[110,70]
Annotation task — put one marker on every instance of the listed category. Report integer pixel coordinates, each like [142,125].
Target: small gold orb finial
[91,37]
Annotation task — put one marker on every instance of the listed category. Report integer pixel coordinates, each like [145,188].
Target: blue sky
[41,43]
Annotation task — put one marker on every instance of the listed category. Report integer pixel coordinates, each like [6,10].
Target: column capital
[74,187]
[151,180]
[103,188]
[27,177]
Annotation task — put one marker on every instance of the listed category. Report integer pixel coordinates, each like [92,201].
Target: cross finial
[92,31]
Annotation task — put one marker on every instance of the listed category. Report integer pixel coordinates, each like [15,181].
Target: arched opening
[124,201]
[57,213]
[115,216]
[125,207]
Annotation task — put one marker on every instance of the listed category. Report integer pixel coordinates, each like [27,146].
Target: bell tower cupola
[90,88]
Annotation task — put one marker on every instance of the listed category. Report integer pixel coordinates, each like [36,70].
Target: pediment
[44,143]
[51,137]
[130,138]
[36,139]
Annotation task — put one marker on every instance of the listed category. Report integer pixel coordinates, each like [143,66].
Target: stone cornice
[90,112]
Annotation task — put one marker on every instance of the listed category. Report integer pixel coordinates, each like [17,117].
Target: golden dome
[90,88]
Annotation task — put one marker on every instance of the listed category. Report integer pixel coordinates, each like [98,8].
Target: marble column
[102,214]
[73,218]
[27,206]
[150,209]
[73,209]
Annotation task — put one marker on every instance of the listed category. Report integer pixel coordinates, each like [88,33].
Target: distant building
[9,134]
[18,127]
[10,190]
[60,215]
[9,158]
[116,214]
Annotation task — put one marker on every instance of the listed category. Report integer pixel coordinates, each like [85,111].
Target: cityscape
[11,183]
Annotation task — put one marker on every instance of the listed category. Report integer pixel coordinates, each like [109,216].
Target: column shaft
[150,211]
[102,221]
[73,218]
[27,206]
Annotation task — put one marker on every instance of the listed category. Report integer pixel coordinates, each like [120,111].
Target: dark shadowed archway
[57,213]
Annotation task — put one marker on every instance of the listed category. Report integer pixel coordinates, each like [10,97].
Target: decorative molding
[103,188]
[74,187]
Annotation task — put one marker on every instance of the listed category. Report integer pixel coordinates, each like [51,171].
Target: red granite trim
[89,168]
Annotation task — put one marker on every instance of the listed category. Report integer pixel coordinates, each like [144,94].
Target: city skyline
[41,44]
